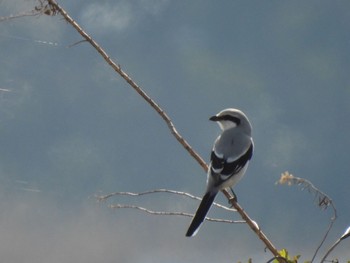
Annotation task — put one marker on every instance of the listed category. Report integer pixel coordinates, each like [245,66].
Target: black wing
[220,165]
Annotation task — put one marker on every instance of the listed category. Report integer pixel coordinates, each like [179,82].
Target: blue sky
[71,128]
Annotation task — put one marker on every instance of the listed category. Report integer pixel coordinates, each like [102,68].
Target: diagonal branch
[56,8]
[133,84]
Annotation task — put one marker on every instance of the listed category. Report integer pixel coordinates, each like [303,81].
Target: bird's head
[232,118]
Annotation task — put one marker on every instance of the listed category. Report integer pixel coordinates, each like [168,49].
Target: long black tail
[202,211]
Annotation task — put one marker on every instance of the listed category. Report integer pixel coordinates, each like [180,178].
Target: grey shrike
[228,162]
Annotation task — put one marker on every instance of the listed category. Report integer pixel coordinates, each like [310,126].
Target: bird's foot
[233,198]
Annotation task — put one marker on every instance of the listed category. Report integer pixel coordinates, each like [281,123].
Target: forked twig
[162,213]
[21,14]
[44,7]
[102,198]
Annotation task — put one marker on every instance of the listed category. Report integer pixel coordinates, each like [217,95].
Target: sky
[71,128]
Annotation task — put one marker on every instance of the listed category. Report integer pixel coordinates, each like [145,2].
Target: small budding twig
[323,200]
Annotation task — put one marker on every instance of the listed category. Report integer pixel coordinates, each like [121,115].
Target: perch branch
[253,225]
[118,69]
[58,9]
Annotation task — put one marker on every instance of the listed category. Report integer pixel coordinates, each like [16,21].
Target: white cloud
[106,16]
[119,15]
[284,147]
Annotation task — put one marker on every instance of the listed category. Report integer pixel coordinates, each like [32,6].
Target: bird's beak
[214,118]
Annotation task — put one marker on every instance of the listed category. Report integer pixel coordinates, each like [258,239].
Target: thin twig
[21,14]
[330,250]
[58,9]
[281,258]
[324,238]
[76,43]
[44,7]
[105,197]
[324,201]
[345,235]
[174,214]
[253,225]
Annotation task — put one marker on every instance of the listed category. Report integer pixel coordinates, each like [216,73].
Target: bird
[230,155]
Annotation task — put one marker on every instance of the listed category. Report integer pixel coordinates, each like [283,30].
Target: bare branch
[44,7]
[345,235]
[76,43]
[253,225]
[54,8]
[21,14]
[105,197]
[330,250]
[174,214]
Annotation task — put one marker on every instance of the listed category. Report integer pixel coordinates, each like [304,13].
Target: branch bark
[56,8]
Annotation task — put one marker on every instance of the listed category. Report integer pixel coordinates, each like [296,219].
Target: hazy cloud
[107,16]
[119,15]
